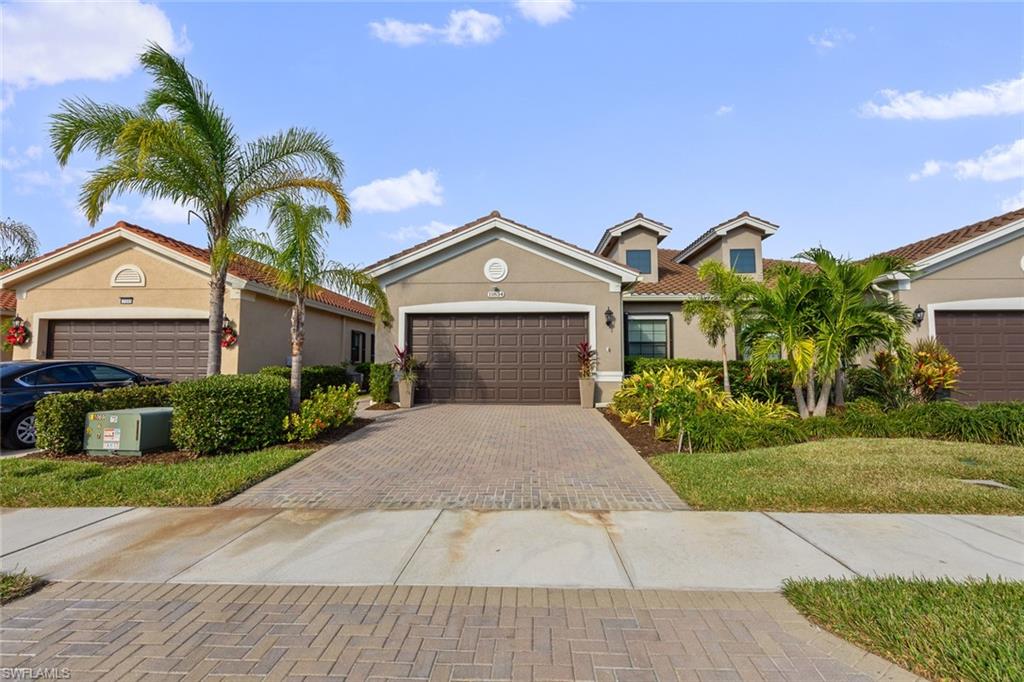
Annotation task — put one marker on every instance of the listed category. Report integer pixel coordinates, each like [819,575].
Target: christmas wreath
[17,334]
[229,336]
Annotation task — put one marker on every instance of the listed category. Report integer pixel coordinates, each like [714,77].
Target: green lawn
[14,585]
[851,475]
[28,482]
[936,628]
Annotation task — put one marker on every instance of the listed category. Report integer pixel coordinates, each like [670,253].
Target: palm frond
[81,124]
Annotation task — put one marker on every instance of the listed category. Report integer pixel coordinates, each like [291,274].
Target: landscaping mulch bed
[174,456]
[641,436]
[383,406]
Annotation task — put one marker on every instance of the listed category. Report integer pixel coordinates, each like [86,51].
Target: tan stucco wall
[262,321]
[531,278]
[637,239]
[996,273]
[687,341]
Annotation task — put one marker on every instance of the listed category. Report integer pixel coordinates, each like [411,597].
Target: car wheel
[22,433]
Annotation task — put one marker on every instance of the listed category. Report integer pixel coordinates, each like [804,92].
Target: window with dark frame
[639,259]
[358,347]
[743,261]
[647,337]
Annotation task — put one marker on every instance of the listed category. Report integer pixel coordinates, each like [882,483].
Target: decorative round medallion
[495,269]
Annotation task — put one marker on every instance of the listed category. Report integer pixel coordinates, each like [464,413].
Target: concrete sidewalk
[632,549]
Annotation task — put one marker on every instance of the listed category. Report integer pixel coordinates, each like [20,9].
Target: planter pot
[405,389]
[587,392]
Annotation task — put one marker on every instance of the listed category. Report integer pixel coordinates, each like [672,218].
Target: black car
[23,383]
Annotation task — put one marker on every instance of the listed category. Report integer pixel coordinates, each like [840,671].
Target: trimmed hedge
[313,376]
[229,413]
[381,376]
[60,418]
[777,386]
[991,423]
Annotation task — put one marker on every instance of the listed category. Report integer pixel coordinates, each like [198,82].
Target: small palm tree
[179,145]
[299,267]
[18,243]
[720,310]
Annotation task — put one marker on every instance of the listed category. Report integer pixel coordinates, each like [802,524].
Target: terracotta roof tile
[8,300]
[932,245]
[673,278]
[473,223]
[240,267]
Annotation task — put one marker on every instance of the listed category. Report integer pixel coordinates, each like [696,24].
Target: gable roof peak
[744,219]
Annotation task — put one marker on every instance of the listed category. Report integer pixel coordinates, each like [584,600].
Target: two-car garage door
[989,344]
[171,349]
[497,358]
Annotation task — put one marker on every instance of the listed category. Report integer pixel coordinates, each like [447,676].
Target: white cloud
[400,32]
[14,159]
[161,211]
[1003,97]
[1003,162]
[929,169]
[1013,203]
[723,110]
[830,38]
[34,151]
[415,233]
[996,164]
[464,27]
[46,43]
[388,195]
[545,12]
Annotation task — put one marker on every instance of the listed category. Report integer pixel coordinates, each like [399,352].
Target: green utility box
[128,432]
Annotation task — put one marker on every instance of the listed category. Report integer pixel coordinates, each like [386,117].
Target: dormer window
[639,260]
[743,261]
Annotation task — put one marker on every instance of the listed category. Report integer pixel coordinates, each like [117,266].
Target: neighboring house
[7,312]
[495,308]
[968,290]
[140,299]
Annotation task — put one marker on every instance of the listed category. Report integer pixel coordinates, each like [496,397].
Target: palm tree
[179,145]
[720,310]
[18,243]
[299,267]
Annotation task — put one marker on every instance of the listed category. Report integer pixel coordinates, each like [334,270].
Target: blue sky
[860,127]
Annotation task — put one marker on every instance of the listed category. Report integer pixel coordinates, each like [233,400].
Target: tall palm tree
[720,310]
[18,243]
[853,318]
[299,267]
[179,145]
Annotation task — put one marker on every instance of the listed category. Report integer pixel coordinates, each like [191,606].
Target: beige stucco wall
[687,341]
[531,277]
[740,238]
[637,239]
[262,321]
[995,273]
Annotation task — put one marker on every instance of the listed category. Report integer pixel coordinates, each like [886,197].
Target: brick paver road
[473,457]
[126,631]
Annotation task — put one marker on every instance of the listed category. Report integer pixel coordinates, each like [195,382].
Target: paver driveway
[473,457]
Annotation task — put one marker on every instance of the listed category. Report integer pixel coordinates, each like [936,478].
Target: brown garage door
[173,349]
[509,358]
[990,347]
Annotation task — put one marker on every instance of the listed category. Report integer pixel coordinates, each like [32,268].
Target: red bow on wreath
[17,334]
[229,337]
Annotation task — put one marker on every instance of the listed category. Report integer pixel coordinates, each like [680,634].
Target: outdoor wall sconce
[609,318]
[918,316]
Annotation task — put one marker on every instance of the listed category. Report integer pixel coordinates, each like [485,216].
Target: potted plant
[406,365]
[587,358]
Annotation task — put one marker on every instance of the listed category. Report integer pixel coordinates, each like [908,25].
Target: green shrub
[313,376]
[777,386]
[229,413]
[728,431]
[1007,420]
[327,408]
[60,418]
[380,382]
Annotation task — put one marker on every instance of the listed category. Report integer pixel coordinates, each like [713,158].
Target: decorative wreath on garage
[17,333]
[229,336]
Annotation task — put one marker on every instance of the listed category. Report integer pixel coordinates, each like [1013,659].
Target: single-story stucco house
[495,308]
[140,299]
